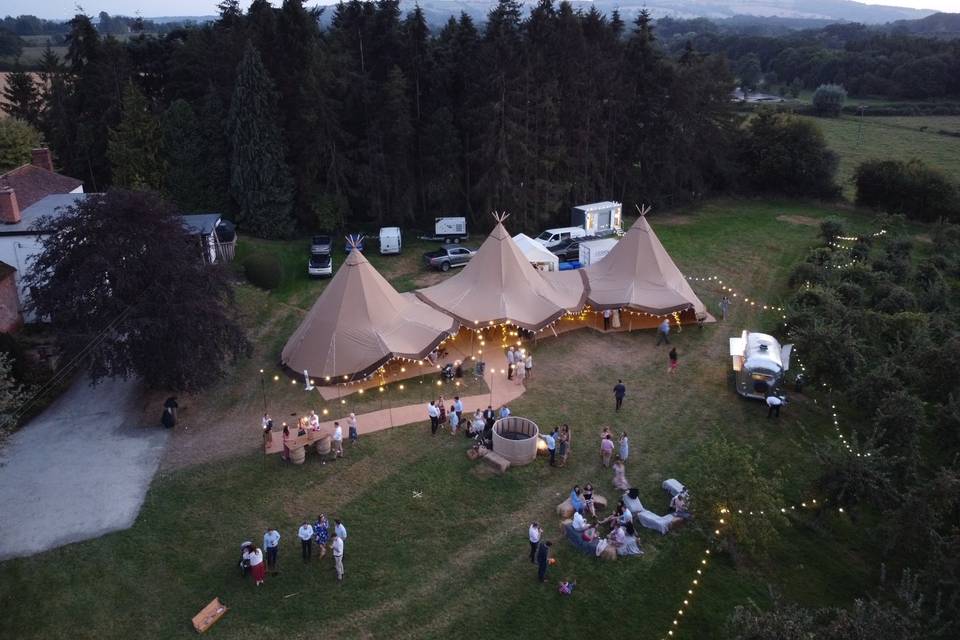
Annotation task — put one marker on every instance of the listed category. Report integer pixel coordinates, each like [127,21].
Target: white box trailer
[594,250]
[448,229]
[599,218]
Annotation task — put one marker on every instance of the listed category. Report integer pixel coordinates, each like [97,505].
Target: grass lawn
[453,563]
[895,138]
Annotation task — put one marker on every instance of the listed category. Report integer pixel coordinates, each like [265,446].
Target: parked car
[319,265]
[568,250]
[552,237]
[390,240]
[320,244]
[446,257]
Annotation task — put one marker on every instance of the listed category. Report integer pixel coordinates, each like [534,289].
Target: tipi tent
[500,285]
[537,254]
[639,274]
[359,323]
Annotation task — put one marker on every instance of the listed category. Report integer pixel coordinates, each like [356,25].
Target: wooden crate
[209,615]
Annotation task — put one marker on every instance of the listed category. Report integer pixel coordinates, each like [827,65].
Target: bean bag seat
[634,505]
[673,487]
[565,509]
[650,520]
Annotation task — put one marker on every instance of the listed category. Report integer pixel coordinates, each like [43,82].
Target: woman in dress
[454,420]
[257,567]
[565,430]
[561,447]
[285,455]
[519,373]
[321,532]
[624,446]
[576,499]
[619,477]
[443,412]
[478,423]
[588,500]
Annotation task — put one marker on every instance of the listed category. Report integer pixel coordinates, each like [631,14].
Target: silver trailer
[759,363]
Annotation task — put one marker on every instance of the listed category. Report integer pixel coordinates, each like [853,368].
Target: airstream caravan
[759,363]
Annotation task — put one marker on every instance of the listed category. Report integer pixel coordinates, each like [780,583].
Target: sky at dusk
[147,8]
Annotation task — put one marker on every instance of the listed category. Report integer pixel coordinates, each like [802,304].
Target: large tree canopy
[119,273]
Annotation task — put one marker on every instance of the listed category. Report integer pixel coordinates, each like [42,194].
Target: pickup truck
[447,257]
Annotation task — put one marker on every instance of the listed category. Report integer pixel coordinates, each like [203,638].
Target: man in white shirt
[337,546]
[511,362]
[773,405]
[306,539]
[534,534]
[271,544]
[340,529]
[434,414]
[337,440]
[314,420]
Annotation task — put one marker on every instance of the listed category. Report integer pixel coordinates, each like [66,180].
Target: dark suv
[568,250]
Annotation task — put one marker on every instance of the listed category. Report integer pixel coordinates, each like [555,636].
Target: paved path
[503,392]
[78,470]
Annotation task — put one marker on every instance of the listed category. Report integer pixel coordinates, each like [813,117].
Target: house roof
[33,183]
[201,223]
[48,206]
[360,322]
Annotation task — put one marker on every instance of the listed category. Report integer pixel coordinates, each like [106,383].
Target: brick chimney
[9,209]
[41,158]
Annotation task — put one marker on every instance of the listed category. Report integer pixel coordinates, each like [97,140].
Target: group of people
[480,424]
[558,445]
[257,561]
[311,422]
[621,532]
[519,364]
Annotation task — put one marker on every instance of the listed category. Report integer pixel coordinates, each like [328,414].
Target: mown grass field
[891,138]
[453,563]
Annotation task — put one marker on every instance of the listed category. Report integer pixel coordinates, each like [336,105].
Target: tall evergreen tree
[134,147]
[184,158]
[21,97]
[260,181]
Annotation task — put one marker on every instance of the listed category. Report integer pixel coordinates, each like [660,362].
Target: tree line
[270,118]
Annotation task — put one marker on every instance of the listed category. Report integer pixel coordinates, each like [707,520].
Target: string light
[733,294]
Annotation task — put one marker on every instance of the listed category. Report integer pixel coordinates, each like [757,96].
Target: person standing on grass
[534,534]
[521,371]
[606,450]
[337,440]
[458,406]
[321,533]
[563,445]
[442,410]
[774,403]
[337,547]
[305,533]
[511,362]
[624,446]
[353,429]
[663,332]
[489,417]
[528,365]
[434,414]
[619,391]
[607,315]
[271,542]
[257,569]
[454,420]
[551,440]
[724,307]
[674,363]
[543,559]
[504,412]
[340,529]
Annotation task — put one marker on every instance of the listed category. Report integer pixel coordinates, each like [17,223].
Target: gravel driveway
[78,470]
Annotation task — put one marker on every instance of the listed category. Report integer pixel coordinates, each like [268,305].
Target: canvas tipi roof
[639,274]
[360,322]
[500,285]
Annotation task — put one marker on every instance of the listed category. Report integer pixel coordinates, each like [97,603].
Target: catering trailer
[759,363]
[599,218]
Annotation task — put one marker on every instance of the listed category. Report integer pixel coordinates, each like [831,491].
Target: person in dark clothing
[168,419]
[619,391]
[489,417]
[543,559]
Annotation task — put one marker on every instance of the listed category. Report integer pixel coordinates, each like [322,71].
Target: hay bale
[610,553]
[565,509]
[324,444]
[498,462]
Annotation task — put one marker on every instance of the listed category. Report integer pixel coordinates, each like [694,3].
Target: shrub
[912,188]
[830,229]
[828,100]
[263,270]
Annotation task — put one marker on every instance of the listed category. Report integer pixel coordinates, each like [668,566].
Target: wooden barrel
[297,454]
[323,444]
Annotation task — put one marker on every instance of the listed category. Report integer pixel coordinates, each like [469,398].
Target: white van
[552,237]
[390,240]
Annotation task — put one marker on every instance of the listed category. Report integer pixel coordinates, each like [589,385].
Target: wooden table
[274,444]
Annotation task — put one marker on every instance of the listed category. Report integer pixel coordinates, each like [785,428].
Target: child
[567,587]
[673,360]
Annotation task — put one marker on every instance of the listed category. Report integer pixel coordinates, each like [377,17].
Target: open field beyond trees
[453,563]
[892,138]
